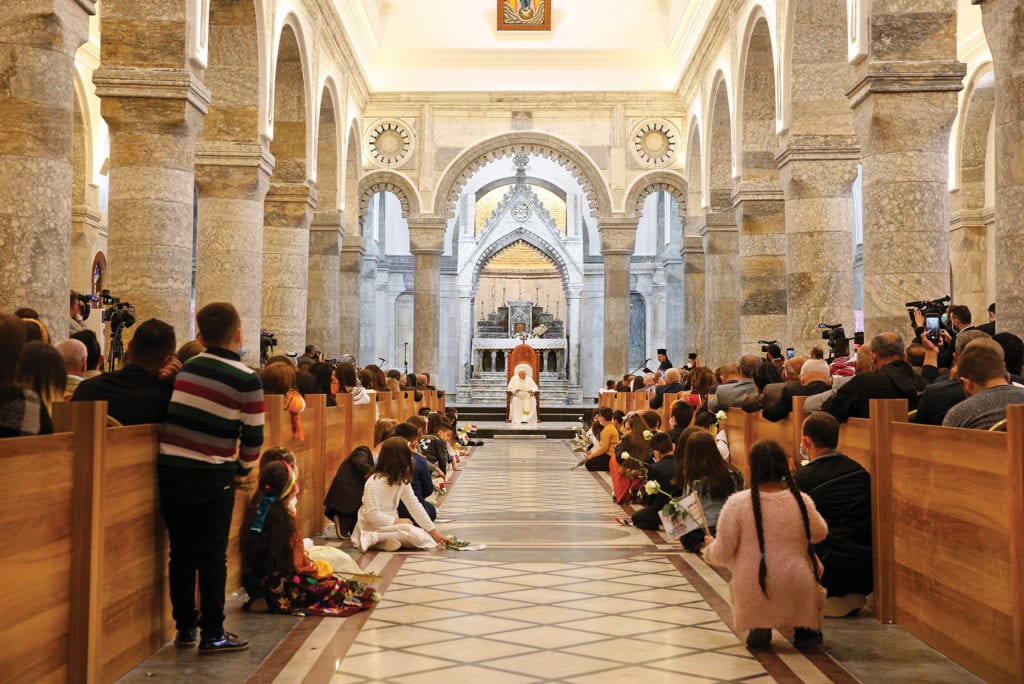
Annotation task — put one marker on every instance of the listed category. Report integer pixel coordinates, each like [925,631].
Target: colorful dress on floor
[313,590]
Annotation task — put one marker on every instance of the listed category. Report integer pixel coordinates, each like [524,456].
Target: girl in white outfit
[379,525]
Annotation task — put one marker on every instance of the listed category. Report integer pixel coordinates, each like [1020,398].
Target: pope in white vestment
[523,408]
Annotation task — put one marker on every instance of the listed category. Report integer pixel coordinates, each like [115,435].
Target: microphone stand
[642,366]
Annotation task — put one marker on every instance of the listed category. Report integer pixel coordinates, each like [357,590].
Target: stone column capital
[692,245]
[115,82]
[292,193]
[574,293]
[720,221]
[818,148]
[352,244]
[216,153]
[907,77]
[618,235]
[426,236]
[327,221]
[757,191]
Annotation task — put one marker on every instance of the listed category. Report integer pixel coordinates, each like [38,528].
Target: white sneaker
[389,545]
[367,540]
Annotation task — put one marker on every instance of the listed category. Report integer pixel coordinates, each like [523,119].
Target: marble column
[232,180]
[968,252]
[37,100]
[1003,20]
[574,329]
[761,218]
[349,312]
[287,213]
[817,176]
[693,298]
[154,114]
[465,328]
[426,242]
[721,289]
[324,296]
[904,100]
[618,239]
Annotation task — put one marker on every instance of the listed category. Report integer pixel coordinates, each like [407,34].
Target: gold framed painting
[524,15]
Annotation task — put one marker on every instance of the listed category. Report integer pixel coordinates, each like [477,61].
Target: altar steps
[555,422]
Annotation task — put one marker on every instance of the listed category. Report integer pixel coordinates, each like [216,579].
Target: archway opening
[519,273]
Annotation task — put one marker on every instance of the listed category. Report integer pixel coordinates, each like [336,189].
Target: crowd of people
[210,406]
[798,538]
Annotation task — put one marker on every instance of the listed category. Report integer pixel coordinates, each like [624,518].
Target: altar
[501,331]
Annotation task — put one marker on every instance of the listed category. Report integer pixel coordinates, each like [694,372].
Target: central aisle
[561,593]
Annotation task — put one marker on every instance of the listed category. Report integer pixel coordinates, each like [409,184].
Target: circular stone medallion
[521,211]
[654,142]
[389,142]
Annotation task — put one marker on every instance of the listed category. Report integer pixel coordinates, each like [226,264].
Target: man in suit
[731,393]
[814,379]
[893,378]
[672,384]
[990,327]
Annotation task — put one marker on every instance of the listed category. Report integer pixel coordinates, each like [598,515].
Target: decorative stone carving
[387,181]
[389,142]
[522,121]
[654,142]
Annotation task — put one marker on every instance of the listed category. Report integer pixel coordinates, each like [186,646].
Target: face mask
[242,352]
[804,456]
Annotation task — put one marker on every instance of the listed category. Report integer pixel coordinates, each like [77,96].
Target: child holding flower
[702,469]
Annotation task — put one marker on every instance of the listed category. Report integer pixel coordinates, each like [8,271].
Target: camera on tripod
[770,346]
[267,343]
[119,314]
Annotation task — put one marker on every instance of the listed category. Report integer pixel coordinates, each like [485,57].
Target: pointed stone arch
[671,182]
[695,169]
[393,182]
[577,162]
[530,238]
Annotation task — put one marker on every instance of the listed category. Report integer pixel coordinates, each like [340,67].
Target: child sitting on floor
[272,551]
[379,524]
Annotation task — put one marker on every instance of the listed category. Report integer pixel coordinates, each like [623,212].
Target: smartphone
[931,326]
[790,352]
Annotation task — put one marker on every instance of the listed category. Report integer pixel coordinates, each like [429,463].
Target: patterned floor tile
[470,649]
[552,664]
[467,673]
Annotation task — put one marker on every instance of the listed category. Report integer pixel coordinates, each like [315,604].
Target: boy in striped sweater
[217,406]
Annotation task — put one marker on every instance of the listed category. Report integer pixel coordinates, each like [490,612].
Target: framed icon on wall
[524,15]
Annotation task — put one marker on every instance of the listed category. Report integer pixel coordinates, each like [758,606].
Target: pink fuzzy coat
[794,598]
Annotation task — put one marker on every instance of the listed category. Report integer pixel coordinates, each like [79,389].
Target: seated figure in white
[523,407]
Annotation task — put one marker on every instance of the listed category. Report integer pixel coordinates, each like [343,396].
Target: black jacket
[434,450]
[937,399]
[660,391]
[783,406]
[896,380]
[133,396]
[841,491]
[346,492]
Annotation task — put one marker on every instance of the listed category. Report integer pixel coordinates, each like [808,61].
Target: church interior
[427,186]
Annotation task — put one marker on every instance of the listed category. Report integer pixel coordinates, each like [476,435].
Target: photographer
[893,378]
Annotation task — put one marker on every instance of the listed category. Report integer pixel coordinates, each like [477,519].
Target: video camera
[267,343]
[119,314]
[835,334]
[769,346]
[928,307]
[85,302]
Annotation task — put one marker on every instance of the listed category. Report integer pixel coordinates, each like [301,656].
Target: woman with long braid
[767,534]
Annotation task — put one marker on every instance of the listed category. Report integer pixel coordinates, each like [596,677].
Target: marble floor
[561,593]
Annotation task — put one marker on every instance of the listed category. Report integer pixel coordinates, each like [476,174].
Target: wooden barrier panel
[950,541]
[386,404]
[363,420]
[666,408]
[309,454]
[35,557]
[855,441]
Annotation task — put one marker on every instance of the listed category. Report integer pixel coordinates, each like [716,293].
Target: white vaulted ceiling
[453,45]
